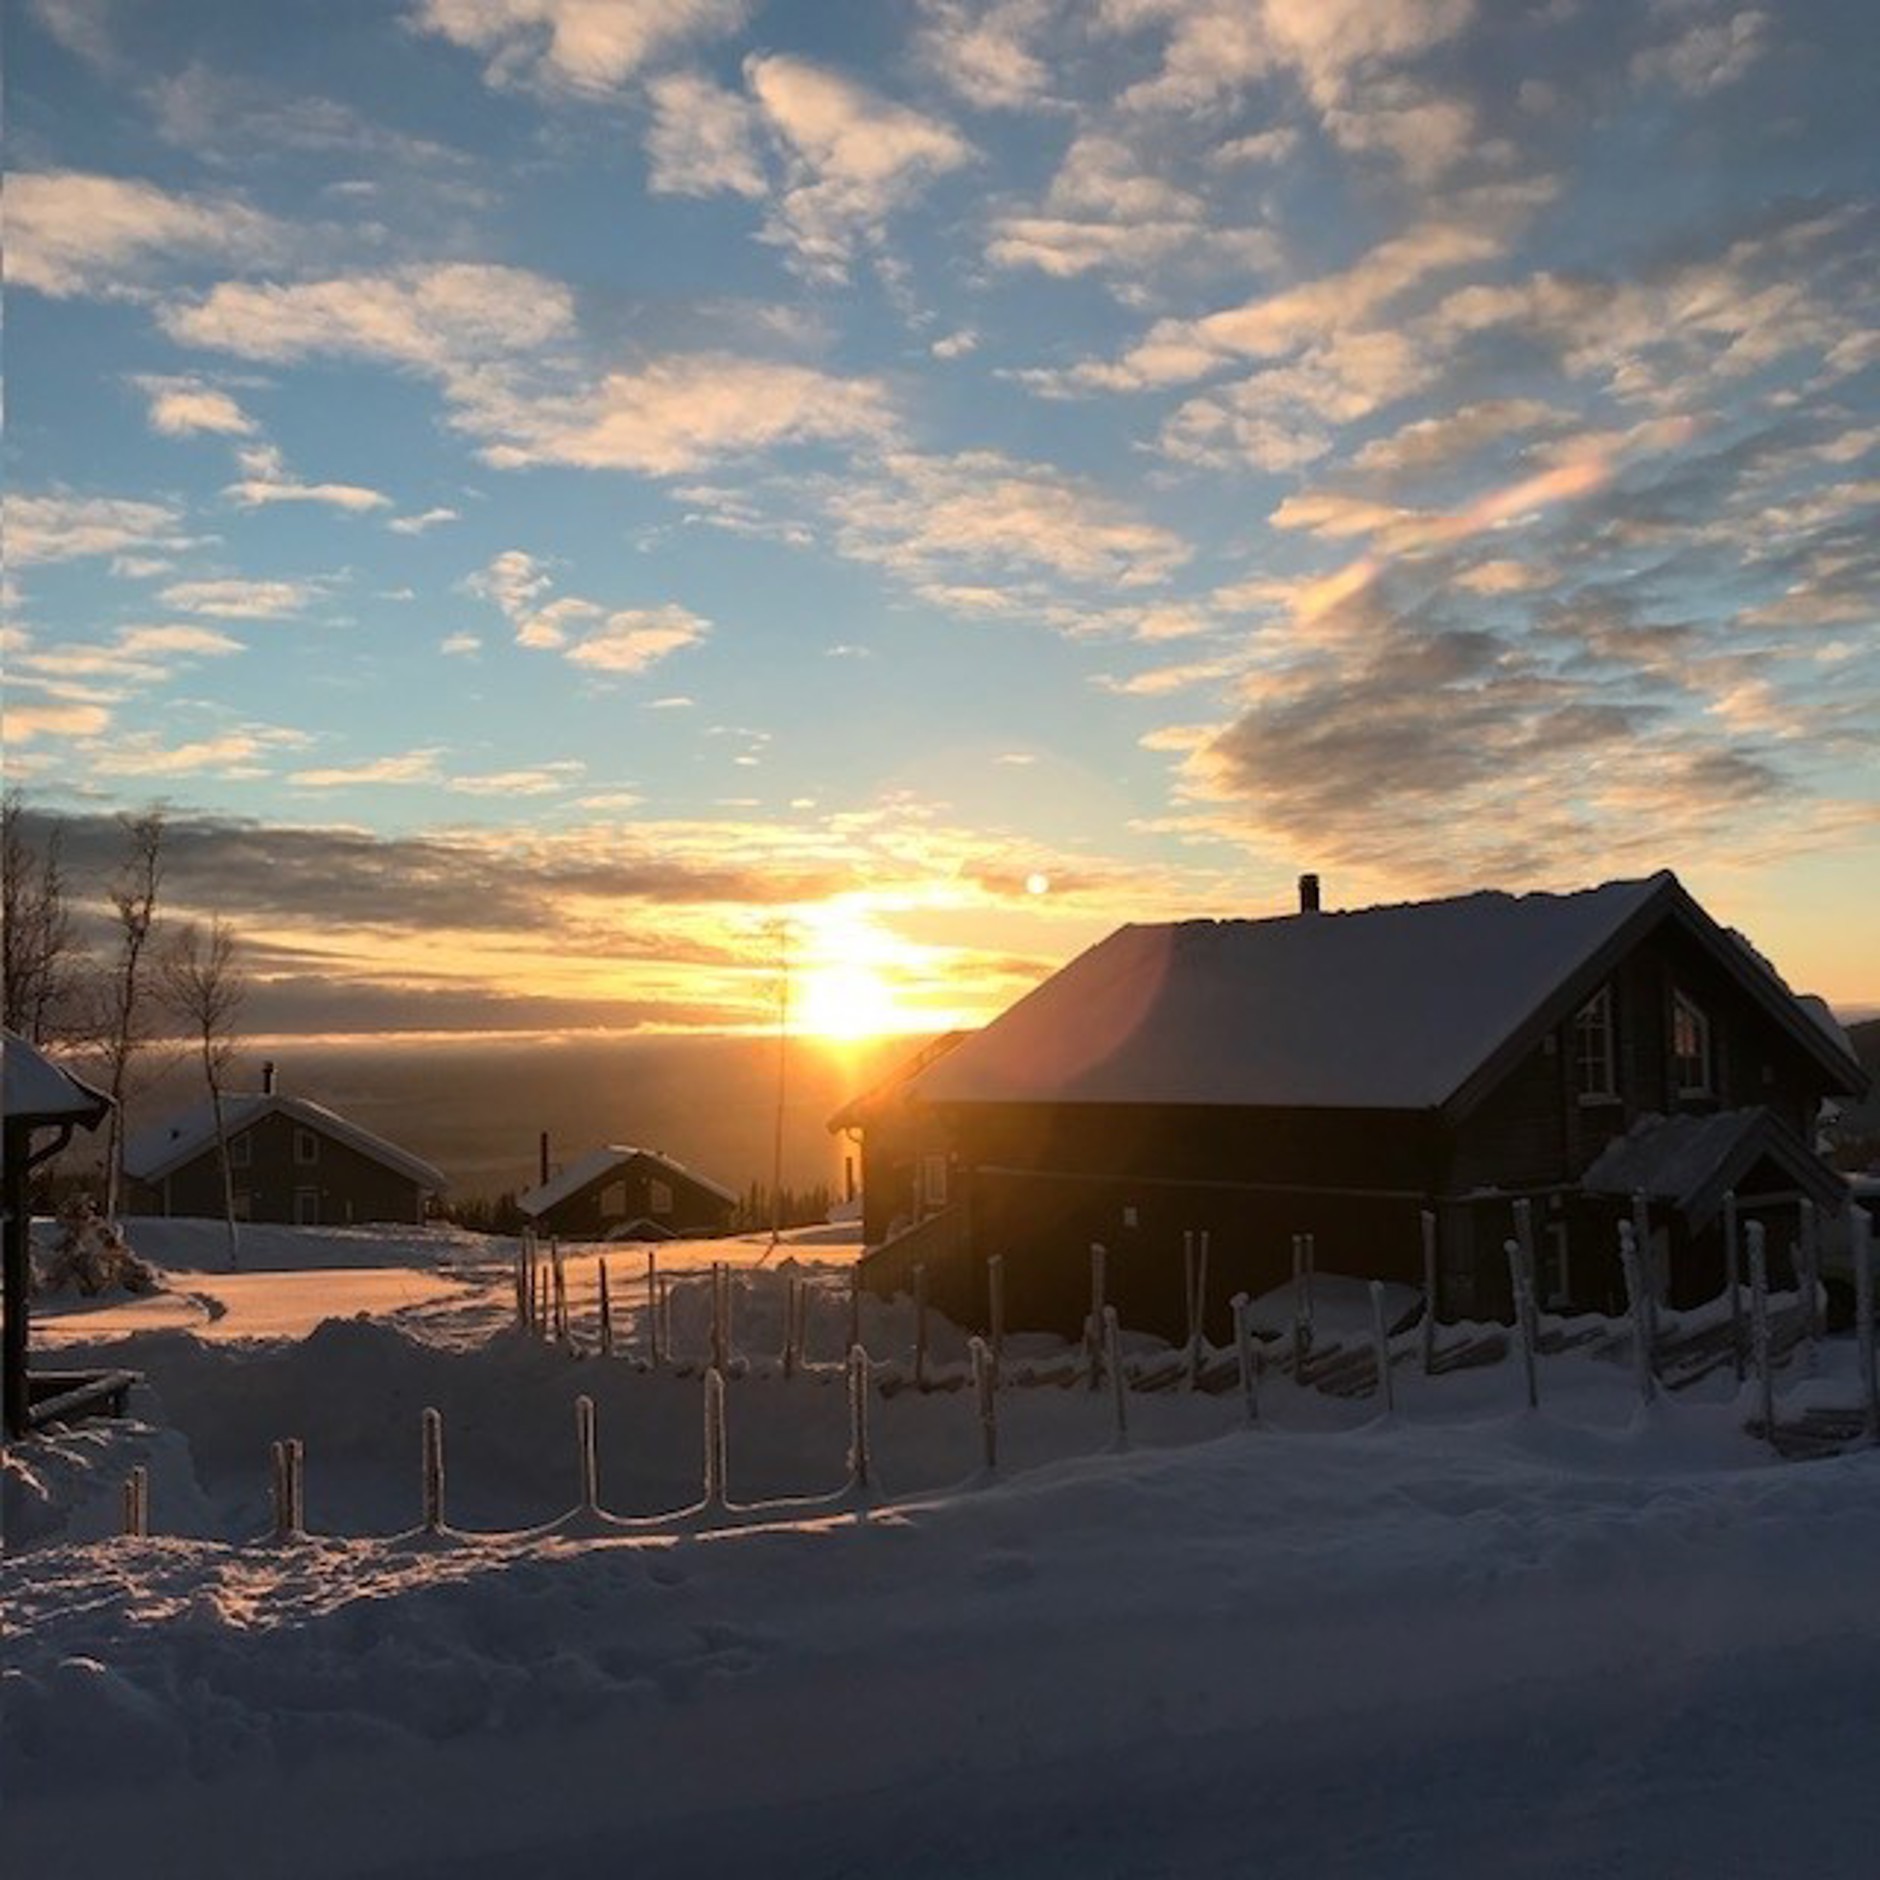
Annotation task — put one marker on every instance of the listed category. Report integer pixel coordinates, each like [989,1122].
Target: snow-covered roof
[1397,1007]
[35,1088]
[155,1152]
[1385,1008]
[600,1162]
[1690,1161]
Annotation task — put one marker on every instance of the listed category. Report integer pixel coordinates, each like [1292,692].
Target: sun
[844,999]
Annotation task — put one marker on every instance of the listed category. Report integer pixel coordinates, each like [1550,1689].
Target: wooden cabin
[624,1193]
[292,1161]
[1341,1073]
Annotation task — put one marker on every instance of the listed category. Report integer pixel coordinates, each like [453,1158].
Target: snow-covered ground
[1465,1638]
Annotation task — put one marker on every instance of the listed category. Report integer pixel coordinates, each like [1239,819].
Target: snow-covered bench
[67,1396]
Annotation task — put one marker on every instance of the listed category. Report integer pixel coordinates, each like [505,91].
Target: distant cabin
[1344,1074]
[624,1193]
[294,1162]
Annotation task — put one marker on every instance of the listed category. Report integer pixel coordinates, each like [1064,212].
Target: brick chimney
[267,1078]
[1308,894]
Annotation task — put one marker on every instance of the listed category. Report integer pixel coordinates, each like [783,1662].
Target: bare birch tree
[41,947]
[202,984]
[122,1021]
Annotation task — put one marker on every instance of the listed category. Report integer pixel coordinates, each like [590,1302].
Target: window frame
[1704,1058]
[241,1149]
[1593,1023]
[306,1147]
[933,1180]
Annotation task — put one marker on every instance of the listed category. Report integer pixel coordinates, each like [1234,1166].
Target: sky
[577,506]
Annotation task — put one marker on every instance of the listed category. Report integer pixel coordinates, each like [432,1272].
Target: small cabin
[620,1192]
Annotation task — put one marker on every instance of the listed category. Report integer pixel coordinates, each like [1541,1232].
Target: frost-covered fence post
[1428,1222]
[1188,1287]
[715,1448]
[1635,1305]
[1733,1278]
[855,1305]
[1759,1327]
[655,1354]
[995,1311]
[517,1276]
[558,1267]
[1860,1246]
[1380,1343]
[721,1316]
[432,1428]
[1119,1383]
[1524,1318]
[665,1317]
[1198,1309]
[1647,1266]
[1093,1325]
[920,1325]
[1302,1326]
[288,1459]
[1807,1268]
[137,1504]
[1248,1357]
[607,1315]
[860,1463]
[792,1287]
[587,1451]
[986,1401]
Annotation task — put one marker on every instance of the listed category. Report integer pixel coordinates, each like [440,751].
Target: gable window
[933,1181]
[1690,1047]
[241,1151]
[1593,1069]
[306,1147]
[659,1197]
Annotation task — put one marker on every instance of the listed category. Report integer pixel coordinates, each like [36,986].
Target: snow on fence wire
[544,1307]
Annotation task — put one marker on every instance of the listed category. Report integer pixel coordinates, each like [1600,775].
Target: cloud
[420,766]
[26,723]
[1706,56]
[936,520]
[541,780]
[71,233]
[580,46]
[677,413]
[62,527]
[988,52]
[627,640]
[441,318]
[702,140]
[416,525]
[460,645]
[192,642]
[635,638]
[268,481]
[185,407]
[233,598]
[239,754]
[955,345]
[852,159]
[1430,445]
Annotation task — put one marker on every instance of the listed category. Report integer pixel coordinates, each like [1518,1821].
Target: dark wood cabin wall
[353,1188]
[695,1211]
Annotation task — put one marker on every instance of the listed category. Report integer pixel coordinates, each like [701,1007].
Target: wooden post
[1249,1361]
[1647,1267]
[655,1354]
[1635,1302]
[1429,1292]
[721,1316]
[588,1451]
[432,1427]
[714,1438]
[1188,1289]
[1807,1266]
[137,1504]
[1198,1334]
[1860,1245]
[859,1461]
[1119,1384]
[920,1325]
[1093,1325]
[607,1315]
[1380,1342]
[560,1271]
[986,1400]
[1302,1317]
[995,1312]
[855,1305]
[1733,1279]
[1759,1327]
[790,1286]
[1524,1319]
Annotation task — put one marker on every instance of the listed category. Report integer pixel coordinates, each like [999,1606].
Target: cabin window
[933,1181]
[1593,1070]
[306,1147]
[241,1151]
[614,1201]
[1690,1047]
[659,1197]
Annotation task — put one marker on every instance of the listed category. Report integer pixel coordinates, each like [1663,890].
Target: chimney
[1308,894]
[544,1158]
[267,1078]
